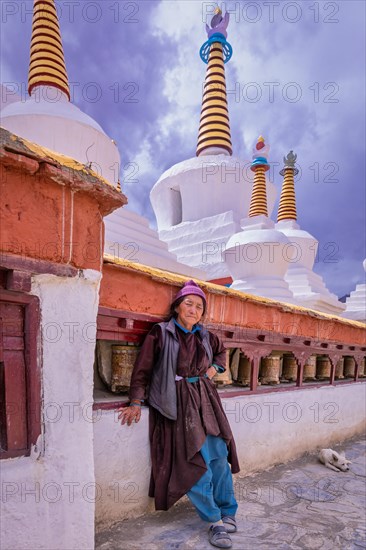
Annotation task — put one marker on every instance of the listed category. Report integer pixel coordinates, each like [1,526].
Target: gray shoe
[219,537]
[230,524]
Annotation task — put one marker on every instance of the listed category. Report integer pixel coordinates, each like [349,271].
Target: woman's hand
[211,372]
[129,414]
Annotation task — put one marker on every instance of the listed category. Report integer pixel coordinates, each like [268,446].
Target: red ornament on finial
[260,143]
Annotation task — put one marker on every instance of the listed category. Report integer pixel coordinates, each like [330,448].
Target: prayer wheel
[289,368]
[234,364]
[225,378]
[349,367]
[362,368]
[123,360]
[270,369]
[244,371]
[323,367]
[310,369]
[339,369]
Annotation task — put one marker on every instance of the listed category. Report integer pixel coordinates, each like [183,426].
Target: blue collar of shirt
[194,329]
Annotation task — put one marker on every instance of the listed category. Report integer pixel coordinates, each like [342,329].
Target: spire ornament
[290,162]
[287,206]
[217,33]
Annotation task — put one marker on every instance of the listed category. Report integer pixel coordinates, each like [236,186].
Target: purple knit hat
[190,287]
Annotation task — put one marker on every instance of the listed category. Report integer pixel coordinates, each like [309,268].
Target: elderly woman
[190,437]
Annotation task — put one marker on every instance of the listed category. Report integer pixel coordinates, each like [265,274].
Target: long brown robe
[177,463]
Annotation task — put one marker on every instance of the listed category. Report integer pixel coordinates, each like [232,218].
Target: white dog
[334,461]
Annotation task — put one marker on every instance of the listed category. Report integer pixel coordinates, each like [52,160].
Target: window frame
[32,369]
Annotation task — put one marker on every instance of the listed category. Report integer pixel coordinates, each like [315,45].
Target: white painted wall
[206,244]
[48,501]
[268,429]
[276,427]
[128,236]
[122,467]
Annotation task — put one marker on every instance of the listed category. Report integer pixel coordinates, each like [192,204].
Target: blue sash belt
[190,379]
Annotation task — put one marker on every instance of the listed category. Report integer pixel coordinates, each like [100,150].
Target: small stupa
[256,256]
[307,287]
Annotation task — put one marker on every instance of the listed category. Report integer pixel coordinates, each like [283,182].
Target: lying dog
[334,461]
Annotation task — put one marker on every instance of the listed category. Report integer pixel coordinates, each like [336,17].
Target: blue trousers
[213,494]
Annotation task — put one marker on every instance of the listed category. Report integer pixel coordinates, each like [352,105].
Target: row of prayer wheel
[274,369]
[317,367]
[277,368]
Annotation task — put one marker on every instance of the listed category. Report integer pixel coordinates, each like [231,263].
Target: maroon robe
[177,463]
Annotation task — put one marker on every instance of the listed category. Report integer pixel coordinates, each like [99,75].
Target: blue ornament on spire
[217,33]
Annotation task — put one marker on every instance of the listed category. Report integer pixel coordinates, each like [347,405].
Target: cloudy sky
[297,76]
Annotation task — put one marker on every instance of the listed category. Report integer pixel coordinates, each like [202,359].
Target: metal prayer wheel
[323,367]
[349,367]
[362,368]
[310,369]
[289,368]
[270,369]
[123,360]
[244,370]
[234,363]
[225,378]
[339,369]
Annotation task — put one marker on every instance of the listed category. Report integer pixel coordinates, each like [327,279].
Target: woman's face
[190,311]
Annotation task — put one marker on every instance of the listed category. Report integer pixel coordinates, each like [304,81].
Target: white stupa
[307,287]
[200,202]
[256,255]
[48,118]
[356,302]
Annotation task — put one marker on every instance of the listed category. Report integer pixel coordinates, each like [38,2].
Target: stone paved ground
[300,504]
